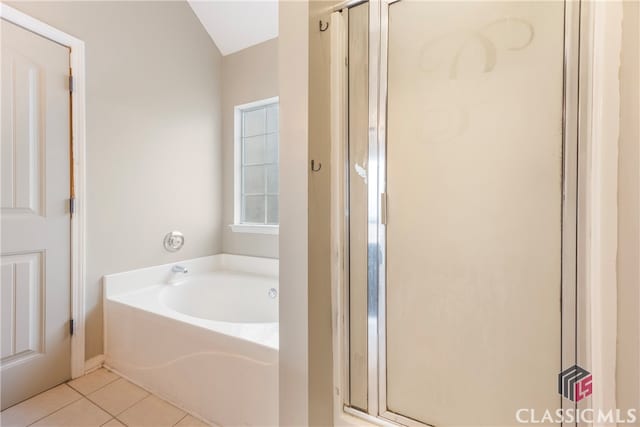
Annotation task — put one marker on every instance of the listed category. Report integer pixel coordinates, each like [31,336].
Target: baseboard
[93,363]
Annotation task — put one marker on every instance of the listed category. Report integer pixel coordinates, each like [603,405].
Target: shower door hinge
[71,327]
[383,208]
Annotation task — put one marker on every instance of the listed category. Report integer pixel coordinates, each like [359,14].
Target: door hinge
[71,327]
[70,84]
[383,208]
[72,205]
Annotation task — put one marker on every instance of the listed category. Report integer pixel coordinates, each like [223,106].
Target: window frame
[238,225]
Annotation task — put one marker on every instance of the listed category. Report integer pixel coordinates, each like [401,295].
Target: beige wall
[628,351]
[294,97]
[248,75]
[153,136]
[305,281]
[320,330]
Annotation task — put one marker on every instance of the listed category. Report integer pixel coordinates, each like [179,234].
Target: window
[256,167]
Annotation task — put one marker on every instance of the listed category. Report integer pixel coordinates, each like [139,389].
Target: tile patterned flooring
[101,398]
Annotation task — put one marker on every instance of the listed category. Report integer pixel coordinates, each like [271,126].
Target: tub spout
[179,269]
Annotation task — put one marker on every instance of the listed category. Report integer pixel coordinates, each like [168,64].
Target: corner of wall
[293,91]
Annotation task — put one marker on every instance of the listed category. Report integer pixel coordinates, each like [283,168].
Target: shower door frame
[573,228]
[569,206]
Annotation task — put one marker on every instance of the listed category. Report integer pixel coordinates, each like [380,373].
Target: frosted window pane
[254,180]
[254,209]
[253,149]
[259,161]
[272,118]
[272,179]
[254,122]
[272,209]
[272,148]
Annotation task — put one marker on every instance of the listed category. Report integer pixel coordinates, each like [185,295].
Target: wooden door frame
[77,63]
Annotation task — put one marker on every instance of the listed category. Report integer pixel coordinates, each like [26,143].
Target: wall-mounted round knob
[173,241]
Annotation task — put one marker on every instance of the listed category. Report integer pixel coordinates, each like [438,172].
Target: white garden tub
[206,340]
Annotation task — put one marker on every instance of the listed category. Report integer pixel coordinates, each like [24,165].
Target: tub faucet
[179,269]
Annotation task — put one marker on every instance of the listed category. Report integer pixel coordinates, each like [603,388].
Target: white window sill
[254,228]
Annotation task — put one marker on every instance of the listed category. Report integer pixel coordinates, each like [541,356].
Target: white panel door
[35,342]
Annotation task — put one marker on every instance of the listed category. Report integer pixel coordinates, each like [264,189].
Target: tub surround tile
[189,421]
[97,379]
[80,413]
[118,396]
[152,412]
[39,406]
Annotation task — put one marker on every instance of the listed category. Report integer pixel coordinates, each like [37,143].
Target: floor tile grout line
[67,383]
[36,395]
[149,394]
[99,388]
[114,418]
[108,421]
[185,416]
[60,408]
[81,396]
[133,404]
[111,382]
[125,409]
[121,422]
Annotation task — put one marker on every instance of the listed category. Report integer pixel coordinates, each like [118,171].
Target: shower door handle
[383,209]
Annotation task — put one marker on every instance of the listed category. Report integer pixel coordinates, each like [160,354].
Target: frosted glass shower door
[474,175]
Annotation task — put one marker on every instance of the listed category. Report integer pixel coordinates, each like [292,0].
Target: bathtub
[206,340]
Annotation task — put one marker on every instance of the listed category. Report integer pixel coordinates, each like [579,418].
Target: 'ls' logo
[575,383]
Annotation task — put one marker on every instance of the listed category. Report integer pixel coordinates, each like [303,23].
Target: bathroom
[239,184]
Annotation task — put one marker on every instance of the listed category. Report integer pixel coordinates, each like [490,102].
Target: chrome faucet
[179,269]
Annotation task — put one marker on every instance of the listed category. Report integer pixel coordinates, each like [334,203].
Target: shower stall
[458,207]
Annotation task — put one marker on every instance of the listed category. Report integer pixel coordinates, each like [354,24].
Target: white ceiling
[237,24]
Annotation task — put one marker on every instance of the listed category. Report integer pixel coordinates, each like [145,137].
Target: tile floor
[101,398]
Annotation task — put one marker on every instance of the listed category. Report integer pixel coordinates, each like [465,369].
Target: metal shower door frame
[376,208]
